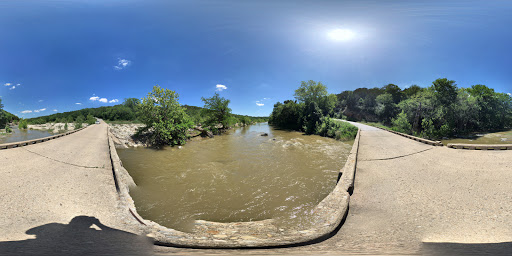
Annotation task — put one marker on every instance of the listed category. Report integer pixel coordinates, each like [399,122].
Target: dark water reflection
[22,135]
[242,176]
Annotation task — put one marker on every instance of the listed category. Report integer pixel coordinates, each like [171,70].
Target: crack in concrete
[395,157]
[76,165]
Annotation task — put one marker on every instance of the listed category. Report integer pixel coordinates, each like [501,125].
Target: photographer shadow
[84,235]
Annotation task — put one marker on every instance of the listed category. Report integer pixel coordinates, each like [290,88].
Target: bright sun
[341,34]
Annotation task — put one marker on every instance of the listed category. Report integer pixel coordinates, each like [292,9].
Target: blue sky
[55,54]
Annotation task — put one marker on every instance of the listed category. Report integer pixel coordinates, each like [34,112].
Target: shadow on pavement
[79,237]
[456,249]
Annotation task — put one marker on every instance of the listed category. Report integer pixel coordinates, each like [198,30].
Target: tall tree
[310,91]
[164,117]
[217,109]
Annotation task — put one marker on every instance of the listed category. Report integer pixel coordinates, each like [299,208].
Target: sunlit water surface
[504,137]
[23,135]
[241,176]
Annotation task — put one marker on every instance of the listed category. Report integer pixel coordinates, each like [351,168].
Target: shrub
[23,124]
[164,117]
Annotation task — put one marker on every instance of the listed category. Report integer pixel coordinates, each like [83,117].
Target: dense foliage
[440,110]
[164,117]
[6,117]
[22,124]
[310,113]
[216,110]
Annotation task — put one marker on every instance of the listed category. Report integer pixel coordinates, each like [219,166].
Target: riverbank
[54,127]
[125,134]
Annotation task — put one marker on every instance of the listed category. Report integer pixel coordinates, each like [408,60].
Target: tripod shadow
[79,237]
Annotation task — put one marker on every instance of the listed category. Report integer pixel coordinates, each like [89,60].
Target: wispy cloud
[54,110]
[122,63]
[78,103]
[12,86]
[40,101]
[39,110]
[26,111]
[113,101]
[220,87]
[509,94]
[94,98]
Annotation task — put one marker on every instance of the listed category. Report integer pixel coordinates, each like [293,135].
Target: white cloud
[39,110]
[78,103]
[259,104]
[54,110]
[94,98]
[266,98]
[18,84]
[509,94]
[104,100]
[12,88]
[221,87]
[26,111]
[40,101]
[122,63]
[114,101]
[7,84]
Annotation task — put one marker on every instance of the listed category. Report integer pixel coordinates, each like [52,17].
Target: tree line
[311,112]
[440,110]
[166,121]
[6,118]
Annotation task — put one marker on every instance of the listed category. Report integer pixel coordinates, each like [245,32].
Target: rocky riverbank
[54,127]
[124,135]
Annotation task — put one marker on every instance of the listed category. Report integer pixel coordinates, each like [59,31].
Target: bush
[327,127]
[164,117]
[79,122]
[23,124]
[8,129]
[401,124]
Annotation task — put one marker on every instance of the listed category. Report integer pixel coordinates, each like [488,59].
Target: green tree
[287,115]
[22,124]
[310,91]
[217,111]
[79,122]
[312,116]
[132,103]
[164,117]
[90,119]
[386,107]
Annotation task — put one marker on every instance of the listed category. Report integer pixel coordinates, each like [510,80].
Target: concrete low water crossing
[240,176]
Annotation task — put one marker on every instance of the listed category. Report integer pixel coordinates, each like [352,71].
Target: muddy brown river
[240,176]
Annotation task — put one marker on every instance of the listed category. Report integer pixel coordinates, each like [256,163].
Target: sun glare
[341,34]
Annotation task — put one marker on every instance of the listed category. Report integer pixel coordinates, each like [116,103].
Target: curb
[30,142]
[429,142]
[326,217]
[480,146]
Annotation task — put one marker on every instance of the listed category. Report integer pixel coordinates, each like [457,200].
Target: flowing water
[504,137]
[241,176]
[23,135]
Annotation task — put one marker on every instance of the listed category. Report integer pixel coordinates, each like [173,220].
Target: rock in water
[264,134]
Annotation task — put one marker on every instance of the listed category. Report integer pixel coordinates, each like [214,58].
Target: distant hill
[6,117]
